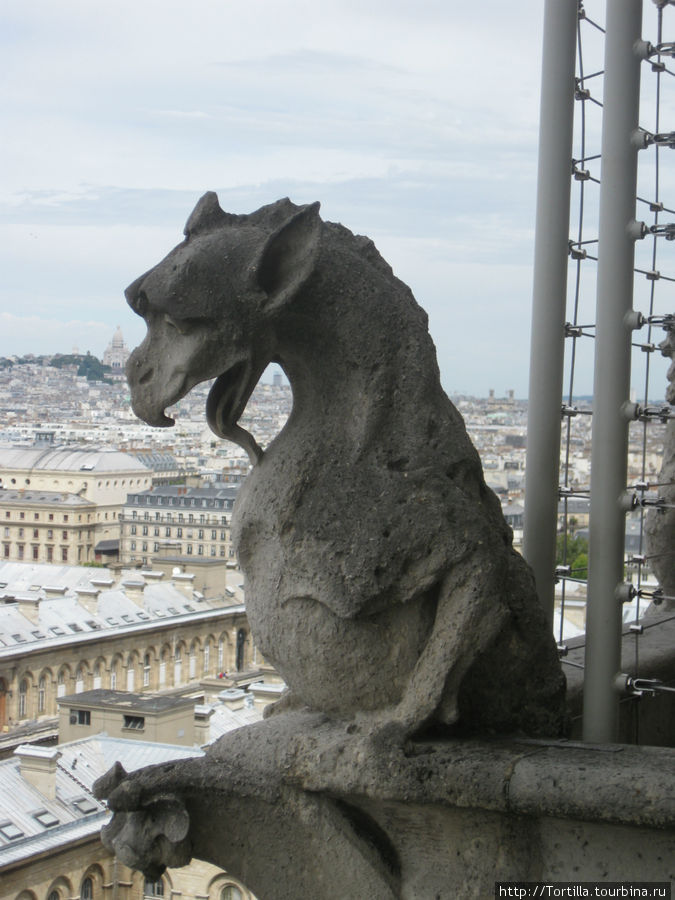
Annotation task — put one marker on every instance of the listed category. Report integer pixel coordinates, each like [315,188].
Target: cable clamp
[637,629]
[667,231]
[563,650]
[666,322]
[561,571]
[660,139]
[637,687]
[637,231]
[628,501]
[570,411]
[640,139]
[573,330]
[634,319]
[625,592]
[665,49]
[630,411]
[652,275]
[576,252]
[581,174]
[661,414]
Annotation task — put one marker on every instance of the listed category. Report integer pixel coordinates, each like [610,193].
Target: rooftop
[69,459]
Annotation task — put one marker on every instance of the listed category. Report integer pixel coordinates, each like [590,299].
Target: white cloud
[413,123]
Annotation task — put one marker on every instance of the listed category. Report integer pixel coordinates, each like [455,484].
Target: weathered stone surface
[660,523]
[310,807]
[381,580]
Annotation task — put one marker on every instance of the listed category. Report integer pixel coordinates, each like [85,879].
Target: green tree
[576,557]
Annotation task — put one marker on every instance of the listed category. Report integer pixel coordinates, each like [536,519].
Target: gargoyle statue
[380,576]
[381,581]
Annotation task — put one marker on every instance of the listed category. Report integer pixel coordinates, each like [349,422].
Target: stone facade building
[50,822]
[102,478]
[177,523]
[66,630]
[46,527]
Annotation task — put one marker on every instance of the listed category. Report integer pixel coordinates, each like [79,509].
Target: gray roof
[69,459]
[51,594]
[76,811]
[40,498]
[148,703]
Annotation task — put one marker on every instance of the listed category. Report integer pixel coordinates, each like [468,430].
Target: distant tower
[117,353]
[276,379]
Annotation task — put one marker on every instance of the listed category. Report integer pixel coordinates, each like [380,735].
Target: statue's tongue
[226,402]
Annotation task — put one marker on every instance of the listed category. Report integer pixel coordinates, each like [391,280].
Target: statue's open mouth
[227,401]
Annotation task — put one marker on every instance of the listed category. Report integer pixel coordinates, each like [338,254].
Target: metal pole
[611,390]
[549,295]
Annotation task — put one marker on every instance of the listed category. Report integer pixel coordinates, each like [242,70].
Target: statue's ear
[288,257]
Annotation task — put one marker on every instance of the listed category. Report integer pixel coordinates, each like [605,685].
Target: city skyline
[415,126]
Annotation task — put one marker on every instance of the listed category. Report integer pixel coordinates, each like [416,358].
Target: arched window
[79,678]
[146,670]
[177,667]
[193,662]
[23,694]
[98,679]
[207,657]
[130,673]
[54,895]
[87,890]
[221,654]
[113,676]
[231,892]
[42,694]
[61,683]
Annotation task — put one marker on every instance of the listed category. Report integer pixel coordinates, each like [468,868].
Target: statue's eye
[182,326]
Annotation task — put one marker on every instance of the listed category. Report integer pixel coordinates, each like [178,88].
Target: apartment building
[46,527]
[70,629]
[178,523]
[101,477]
[50,824]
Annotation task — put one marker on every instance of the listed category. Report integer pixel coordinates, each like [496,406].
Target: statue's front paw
[147,835]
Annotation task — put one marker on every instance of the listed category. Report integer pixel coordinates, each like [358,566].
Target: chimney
[30,607]
[232,698]
[134,589]
[37,766]
[202,732]
[88,597]
[183,581]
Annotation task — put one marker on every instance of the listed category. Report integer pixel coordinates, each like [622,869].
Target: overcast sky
[413,123]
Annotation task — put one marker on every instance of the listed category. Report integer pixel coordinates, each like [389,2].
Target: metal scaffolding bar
[612,368]
[549,295]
